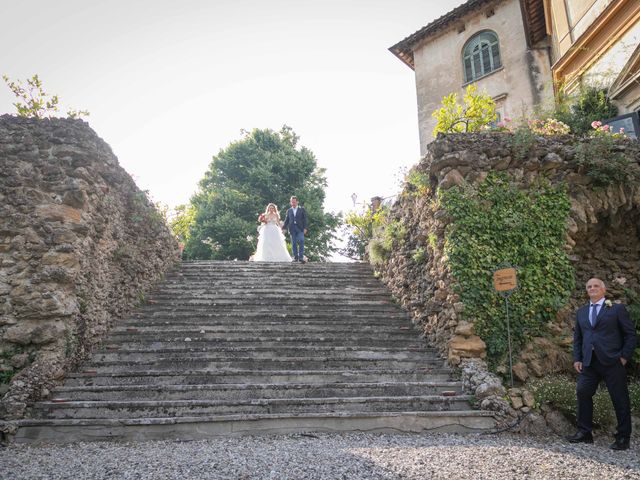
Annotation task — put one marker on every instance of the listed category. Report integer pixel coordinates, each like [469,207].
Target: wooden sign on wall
[505,279]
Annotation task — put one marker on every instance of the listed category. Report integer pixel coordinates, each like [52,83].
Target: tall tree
[264,166]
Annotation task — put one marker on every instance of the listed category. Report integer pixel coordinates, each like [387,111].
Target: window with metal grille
[480,56]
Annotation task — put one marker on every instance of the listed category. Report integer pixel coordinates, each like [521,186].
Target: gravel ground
[327,456]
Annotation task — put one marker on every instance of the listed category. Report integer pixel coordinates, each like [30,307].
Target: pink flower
[621,130]
[596,123]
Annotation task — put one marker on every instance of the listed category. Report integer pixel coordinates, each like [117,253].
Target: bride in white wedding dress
[271,244]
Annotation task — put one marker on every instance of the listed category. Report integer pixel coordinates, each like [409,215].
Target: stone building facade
[596,42]
[485,42]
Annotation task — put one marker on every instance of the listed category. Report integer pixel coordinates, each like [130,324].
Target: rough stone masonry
[79,245]
[602,238]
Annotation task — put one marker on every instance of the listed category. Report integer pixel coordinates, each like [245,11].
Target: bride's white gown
[271,243]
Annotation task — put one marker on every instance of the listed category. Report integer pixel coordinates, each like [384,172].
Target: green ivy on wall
[497,223]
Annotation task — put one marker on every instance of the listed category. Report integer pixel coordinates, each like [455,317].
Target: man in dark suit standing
[604,338]
[296,223]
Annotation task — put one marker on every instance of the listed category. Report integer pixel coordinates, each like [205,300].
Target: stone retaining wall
[603,239]
[79,245]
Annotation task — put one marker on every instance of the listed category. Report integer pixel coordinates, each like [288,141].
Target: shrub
[394,233]
[419,255]
[386,236]
[590,104]
[477,111]
[600,161]
[34,102]
[377,252]
[560,393]
[549,126]
[361,229]
[418,181]
[634,312]
[521,142]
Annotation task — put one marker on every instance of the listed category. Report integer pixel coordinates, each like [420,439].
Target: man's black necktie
[592,317]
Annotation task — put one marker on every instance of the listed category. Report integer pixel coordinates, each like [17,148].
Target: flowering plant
[600,129]
[608,303]
[504,125]
[549,126]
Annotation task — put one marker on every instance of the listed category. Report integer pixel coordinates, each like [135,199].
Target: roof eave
[405,56]
[404,49]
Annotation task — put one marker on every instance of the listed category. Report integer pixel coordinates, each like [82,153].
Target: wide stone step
[260,327]
[190,291]
[274,268]
[215,317]
[323,288]
[330,316]
[224,352]
[289,281]
[295,276]
[377,306]
[295,305]
[253,391]
[239,264]
[214,291]
[244,334]
[227,353]
[302,275]
[188,408]
[245,363]
[200,377]
[329,301]
[263,342]
[204,427]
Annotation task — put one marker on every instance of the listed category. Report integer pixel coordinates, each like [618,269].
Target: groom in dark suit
[296,223]
[604,338]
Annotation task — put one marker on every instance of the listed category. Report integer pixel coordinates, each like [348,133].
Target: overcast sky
[170,83]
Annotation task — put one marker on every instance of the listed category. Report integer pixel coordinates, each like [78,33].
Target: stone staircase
[244,348]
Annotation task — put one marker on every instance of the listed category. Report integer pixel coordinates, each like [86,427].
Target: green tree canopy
[264,166]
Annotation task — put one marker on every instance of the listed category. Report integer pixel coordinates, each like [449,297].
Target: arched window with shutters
[481,56]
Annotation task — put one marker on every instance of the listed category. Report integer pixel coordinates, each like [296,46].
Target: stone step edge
[51,405]
[127,363]
[204,427]
[290,335]
[190,347]
[253,335]
[188,318]
[250,386]
[230,372]
[252,416]
[416,356]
